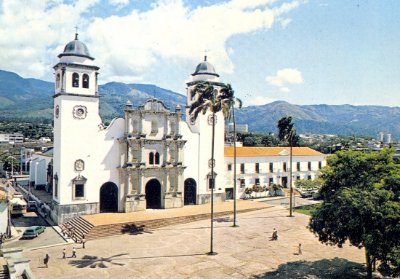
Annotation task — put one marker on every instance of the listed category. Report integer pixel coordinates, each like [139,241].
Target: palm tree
[209,98]
[287,133]
[229,112]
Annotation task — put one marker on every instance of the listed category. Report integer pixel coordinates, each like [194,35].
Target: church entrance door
[153,194]
[190,191]
[109,197]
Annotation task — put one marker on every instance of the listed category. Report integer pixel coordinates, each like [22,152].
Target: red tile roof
[270,151]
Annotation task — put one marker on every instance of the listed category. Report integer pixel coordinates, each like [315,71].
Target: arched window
[75,80]
[85,81]
[151,158]
[58,81]
[157,158]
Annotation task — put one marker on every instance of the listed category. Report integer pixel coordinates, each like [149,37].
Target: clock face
[210,119]
[79,165]
[57,111]
[79,112]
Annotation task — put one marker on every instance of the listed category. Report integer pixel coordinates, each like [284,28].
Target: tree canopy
[361,206]
[287,132]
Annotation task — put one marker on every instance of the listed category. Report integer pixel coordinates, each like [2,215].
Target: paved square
[180,252]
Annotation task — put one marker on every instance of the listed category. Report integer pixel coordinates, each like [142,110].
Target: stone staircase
[4,272]
[83,227]
[76,228]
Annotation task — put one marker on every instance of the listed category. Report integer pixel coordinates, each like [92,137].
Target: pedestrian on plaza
[64,253]
[73,252]
[300,252]
[46,260]
[83,241]
[274,235]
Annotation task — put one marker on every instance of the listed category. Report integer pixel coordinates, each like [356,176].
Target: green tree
[361,205]
[287,134]
[269,140]
[11,164]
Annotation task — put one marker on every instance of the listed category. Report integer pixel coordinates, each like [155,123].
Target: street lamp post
[234,167]
[211,253]
[8,229]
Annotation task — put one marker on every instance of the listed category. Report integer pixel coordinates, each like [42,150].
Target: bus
[18,206]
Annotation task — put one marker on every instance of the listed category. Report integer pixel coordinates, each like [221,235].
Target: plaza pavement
[179,251]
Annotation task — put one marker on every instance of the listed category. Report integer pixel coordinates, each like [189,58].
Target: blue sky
[300,51]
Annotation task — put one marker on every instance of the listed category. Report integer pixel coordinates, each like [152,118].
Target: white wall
[3,216]
[264,173]
[84,139]
[40,172]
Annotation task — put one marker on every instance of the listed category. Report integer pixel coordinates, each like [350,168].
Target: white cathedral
[151,158]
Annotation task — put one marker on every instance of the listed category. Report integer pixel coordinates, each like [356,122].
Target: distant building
[388,138]
[385,138]
[26,157]
[381,136]
[41,170]
[263,166]
[12,138]
[240,128]
[44,140]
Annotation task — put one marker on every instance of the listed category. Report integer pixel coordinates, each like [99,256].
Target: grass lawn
[307,209]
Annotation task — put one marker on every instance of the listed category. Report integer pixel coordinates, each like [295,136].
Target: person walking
[46,260]
[300,252]
[73,252]
[83,241]
[274,234]
[64,253]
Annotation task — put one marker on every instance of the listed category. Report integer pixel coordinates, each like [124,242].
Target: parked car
[32,206]
[33,231]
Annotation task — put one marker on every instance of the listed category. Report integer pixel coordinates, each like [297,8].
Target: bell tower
[205,72]
[76,122]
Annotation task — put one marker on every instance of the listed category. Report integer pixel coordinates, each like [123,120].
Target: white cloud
[285,22]
[29,29]
[285,77]
[125,47]
[258,100]
[119,2]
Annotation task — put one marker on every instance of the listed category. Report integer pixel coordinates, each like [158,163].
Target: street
[49,237]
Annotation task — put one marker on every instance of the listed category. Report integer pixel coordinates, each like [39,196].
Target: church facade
[150,159]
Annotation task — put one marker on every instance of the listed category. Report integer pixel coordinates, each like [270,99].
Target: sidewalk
[180,252]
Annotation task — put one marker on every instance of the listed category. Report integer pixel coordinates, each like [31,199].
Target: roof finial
[76,32]
[205,55]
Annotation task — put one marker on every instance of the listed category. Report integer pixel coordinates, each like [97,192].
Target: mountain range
[31,99]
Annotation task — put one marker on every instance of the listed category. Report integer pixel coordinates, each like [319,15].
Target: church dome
[76,48]
[205,68]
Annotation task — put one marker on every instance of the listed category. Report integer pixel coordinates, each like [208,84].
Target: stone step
[148,225]
[4,272]
[79,226]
